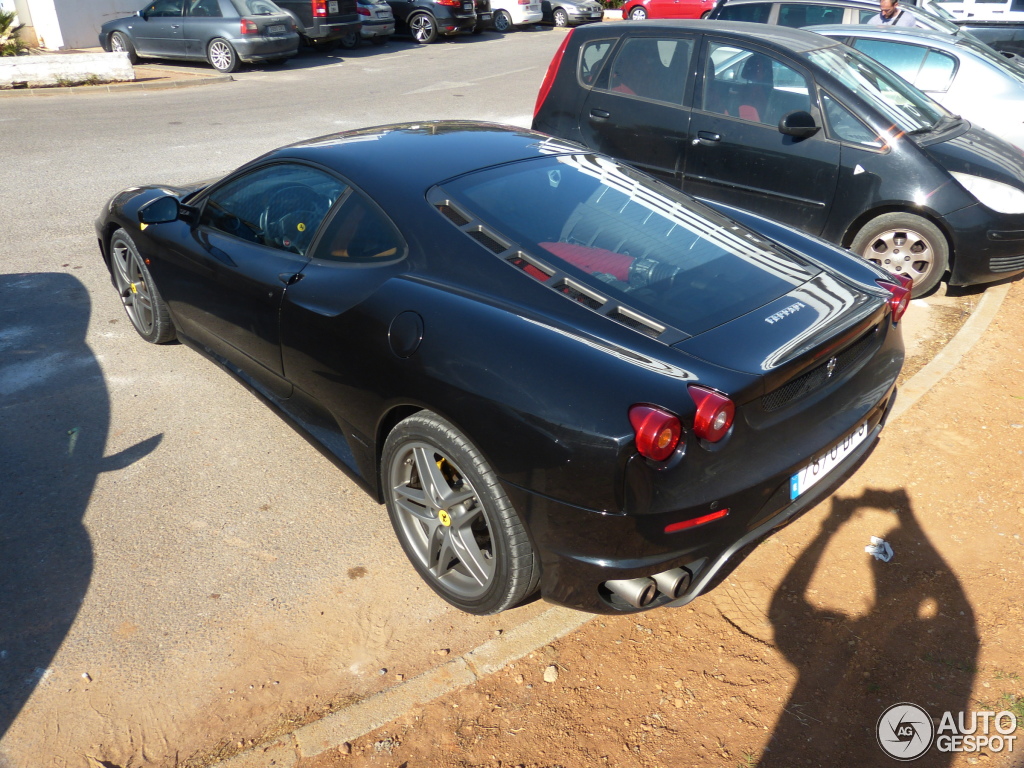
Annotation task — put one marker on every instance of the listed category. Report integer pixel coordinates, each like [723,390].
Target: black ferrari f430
[557,372]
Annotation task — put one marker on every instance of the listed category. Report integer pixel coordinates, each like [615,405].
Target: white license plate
[596,15]
[467,6]
[332,6]
[383,14]
[275,29]
[822,465]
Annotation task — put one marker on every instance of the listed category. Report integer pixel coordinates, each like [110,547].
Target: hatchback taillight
[900,299]
[524,2]
[363,11]
[715,413]
[249,27]
[549,78]
[452,3]
[657,431]
[319,7]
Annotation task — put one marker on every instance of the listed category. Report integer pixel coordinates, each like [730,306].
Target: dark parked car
[223,32]
[325,22]
[426,19]
[801,129]
[554,370]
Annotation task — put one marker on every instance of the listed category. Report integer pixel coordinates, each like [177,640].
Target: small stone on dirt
[551,674]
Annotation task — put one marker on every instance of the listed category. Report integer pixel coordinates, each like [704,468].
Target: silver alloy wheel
[903,251]
[502,21]
[133,287]
[222,56]
[117,43]
[638,14]
[561,18]
[423,30]
[442,519]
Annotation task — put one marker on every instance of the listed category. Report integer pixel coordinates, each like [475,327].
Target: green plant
[10,45]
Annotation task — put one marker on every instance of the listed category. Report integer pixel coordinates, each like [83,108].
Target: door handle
[600,114]
[707,138]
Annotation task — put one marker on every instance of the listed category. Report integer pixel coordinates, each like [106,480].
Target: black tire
[119,42]
[638,14]
[705,14]
[350,40]
[423,27]
[222,56]
[906,244]
[142,301]
[380,39]
[561,18]
[503,22]
[459,531]
[478,28]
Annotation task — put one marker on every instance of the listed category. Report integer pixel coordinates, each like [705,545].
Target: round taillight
[900,299]
[714,415]
[657,431]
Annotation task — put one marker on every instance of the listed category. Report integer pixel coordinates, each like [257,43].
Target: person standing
[891,14]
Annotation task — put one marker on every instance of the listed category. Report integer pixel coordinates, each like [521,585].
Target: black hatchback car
[801,129]
[557,372]
[223,32]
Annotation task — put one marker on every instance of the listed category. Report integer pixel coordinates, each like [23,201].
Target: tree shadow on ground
[54,419]
[918,643]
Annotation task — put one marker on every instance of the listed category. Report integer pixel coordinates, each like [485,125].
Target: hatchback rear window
[629,237]
[256,7]
[753,12]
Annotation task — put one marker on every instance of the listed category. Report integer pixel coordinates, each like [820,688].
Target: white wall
[61,24]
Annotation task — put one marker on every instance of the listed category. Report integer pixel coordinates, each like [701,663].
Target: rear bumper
[377,29]
[262,48]
[581,549]
[328,31]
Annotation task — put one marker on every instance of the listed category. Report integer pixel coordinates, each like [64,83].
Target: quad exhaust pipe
[641,592]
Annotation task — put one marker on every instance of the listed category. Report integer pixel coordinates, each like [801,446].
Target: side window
[752,86]
[865,16]
[937,72]
[280,206]
[164,8]
[360,232]
[755,12]
[804,14]
[844,126]
[592,58]
[904,60]
[652,69]
[204,8]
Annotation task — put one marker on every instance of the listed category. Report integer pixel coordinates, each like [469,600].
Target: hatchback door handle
[706,137]
[600,114]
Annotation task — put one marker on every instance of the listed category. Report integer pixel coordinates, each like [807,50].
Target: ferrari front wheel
[142,301]
[453,519]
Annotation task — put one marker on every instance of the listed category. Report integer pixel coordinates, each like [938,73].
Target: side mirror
[798,124]
[160,211]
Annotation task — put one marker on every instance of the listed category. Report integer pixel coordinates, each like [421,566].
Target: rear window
[255,7]
[630,238]
[805,14]
[755,12]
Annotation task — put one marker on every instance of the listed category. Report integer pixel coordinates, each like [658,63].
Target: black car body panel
[825,185]
[468,317]
[323,21]
[450,17]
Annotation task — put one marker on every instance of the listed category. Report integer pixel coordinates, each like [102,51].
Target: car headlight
[1000,197]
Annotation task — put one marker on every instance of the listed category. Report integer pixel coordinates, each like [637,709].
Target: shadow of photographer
[917,643]
[54,420]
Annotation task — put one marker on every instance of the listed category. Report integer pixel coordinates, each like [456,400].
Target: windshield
[992,57]
[619,234]
[909,109]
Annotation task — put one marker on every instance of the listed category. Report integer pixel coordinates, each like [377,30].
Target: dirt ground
[793,658]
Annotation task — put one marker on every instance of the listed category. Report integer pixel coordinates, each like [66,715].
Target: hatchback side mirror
[161,211]
[798,124]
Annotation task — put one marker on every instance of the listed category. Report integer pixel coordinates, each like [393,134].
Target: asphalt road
[180,568]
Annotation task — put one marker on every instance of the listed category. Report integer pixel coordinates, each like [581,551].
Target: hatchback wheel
[424,28]
[905,244]
[222,56]
[119,43]
[349,40]
[561,18]
[142,301]
[638,14]
[453,519]
[502,21]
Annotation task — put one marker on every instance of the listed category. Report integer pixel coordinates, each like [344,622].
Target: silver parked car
[966,77]
[564,13]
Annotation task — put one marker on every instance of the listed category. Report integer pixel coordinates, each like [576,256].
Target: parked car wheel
[221,55]
[503,21]
[380,39]
[561,17]
[705,14]
[350,40]
[638,14]
[142,301]
[424,28]
[119,43]
[453,519]
[905,244]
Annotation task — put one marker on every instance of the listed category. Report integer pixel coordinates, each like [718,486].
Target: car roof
[907,34]
[405,159]
[787,38]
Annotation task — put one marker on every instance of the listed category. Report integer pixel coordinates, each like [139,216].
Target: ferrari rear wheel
[142,301]
[453,519]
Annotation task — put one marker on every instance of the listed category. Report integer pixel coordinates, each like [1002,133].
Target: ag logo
[905,731]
